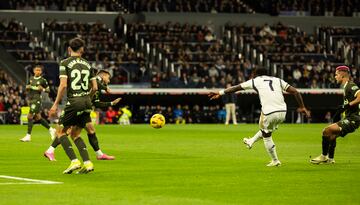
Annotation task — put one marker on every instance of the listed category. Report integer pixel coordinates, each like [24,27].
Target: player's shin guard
[44,123]
[332,148]
[66,144]
[82,149]
[94,142]
[30,126]
[325,145]
[270,147]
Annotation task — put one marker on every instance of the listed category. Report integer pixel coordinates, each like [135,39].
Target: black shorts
[348,125]
[35,107]
[76,112]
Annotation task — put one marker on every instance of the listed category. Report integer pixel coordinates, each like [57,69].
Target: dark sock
[56,142]
[44,123]
[30,126]
[332,148]
[82,149]
[94,141]
[66,144]
[325,145]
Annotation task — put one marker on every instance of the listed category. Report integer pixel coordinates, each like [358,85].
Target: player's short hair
[261,71]
[103,71]
[38,66]
[343,68]
[76,43]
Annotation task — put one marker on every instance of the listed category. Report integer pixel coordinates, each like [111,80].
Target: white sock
[270,148]
[99,153]
[74,160]
[255,138]
[50,149]
[28,135]
[87,162]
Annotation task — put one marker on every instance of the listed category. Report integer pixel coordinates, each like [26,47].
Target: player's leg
[233,112]
[250,141]
[80,144]
[270,124]
[66,144]
[93,140]
[328,143]
[45,124]
[227,119]
[271,149]
[50,152]
[27,137]
[66,121]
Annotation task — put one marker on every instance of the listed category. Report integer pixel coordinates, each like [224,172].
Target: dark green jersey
[96,98]
[79,73]
[34,83]
[350,91]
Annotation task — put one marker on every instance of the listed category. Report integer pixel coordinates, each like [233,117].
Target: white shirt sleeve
[247,85]
[284,85]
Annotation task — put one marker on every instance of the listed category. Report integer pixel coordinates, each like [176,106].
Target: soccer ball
[157,121]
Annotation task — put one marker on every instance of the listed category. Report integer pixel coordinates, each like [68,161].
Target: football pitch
[182,164]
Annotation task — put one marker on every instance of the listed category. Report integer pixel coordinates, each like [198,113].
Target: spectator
[110,116]
[178,115]
[230,105]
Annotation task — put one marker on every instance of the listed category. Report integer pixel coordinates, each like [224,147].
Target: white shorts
[269,123]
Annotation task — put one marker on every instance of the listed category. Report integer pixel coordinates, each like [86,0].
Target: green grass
[184,164]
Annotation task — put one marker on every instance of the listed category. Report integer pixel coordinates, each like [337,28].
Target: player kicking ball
[102,80]
[77,78]
[348,124]
[273,107]
[36,86]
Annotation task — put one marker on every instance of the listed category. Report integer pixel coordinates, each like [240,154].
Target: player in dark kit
[36,86]
[78,79]
[348,124]
[102,80]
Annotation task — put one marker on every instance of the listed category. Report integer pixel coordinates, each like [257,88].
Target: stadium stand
[273,7]
[302,59]
[59,5]
[12,97]
[104,48]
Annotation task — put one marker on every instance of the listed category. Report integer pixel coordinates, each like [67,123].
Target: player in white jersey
[273,107]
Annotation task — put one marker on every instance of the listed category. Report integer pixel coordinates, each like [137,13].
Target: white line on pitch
[28,181]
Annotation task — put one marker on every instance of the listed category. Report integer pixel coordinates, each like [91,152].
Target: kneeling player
[102,79]
[347,125]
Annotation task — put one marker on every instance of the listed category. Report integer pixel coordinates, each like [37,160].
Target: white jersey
[270,90]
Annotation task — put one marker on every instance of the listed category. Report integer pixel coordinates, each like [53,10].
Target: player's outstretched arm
[100,104]
[60,94]
[299,100]
[233,89]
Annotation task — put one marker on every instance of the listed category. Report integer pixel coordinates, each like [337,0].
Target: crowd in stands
[208,6]
[306,7]
[104,48]
[302,59]
[12,97]
[60,5]
[273,7]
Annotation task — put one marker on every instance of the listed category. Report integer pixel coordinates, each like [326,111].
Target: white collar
[37,77]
